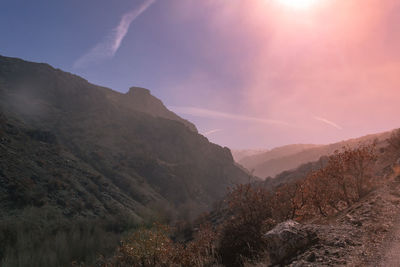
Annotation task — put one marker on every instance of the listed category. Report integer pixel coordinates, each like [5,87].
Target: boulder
[286,240]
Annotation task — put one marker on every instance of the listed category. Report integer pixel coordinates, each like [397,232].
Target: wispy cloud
[108,47]
[212,132]
[331,123]
[206,113]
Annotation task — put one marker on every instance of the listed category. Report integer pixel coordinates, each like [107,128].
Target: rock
[141,99]
[286,240]
[340,244]
[139,91]
[311,257]
[350,242]
[353,221]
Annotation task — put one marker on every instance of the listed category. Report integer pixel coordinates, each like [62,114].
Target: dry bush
[199,252]
[289,200]
[251,211]
[394,145]
[145,247]
[359,164]
[153,247]
[320,194]
[344,180]
[241,234]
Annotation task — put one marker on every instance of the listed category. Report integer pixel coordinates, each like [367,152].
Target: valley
[80,174]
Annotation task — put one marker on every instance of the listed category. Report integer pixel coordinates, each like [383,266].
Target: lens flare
[303,4]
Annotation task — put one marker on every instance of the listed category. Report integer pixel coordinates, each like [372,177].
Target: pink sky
[330,72]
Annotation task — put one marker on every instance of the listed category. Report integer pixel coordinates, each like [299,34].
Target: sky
[248,73]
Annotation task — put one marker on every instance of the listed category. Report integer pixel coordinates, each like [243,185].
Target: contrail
[108,48]
[331,123]
[212,132]
[217,114]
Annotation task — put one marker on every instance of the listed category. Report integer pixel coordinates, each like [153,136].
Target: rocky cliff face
[140,99]
[144,152]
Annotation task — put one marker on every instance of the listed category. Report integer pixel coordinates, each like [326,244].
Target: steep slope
[364,234]
[127,138]
[85,151]
[271,164]
[140,99]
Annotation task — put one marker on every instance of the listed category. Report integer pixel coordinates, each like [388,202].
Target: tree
[250,214]
[289,200]
[344,180]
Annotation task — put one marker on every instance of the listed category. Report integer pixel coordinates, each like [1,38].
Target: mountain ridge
[131,139]
[269,164]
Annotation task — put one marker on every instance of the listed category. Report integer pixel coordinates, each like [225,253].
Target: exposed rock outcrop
[365,234]
[142,100]
[287,239]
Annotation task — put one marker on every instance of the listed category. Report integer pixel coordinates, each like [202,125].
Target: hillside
[251,162]
[340,211]
[364,234]
[87,152]
[289,157]
[239,154]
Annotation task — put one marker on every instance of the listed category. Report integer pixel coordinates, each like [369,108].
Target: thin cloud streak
[212,132]
[107,49]
[331,123]
[206,113]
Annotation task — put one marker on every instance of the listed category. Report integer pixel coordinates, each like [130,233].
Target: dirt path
[392,255]
[389,252]
[391,247]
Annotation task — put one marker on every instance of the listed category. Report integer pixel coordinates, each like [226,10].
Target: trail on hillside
[391,248]
[388,254]
[392,255]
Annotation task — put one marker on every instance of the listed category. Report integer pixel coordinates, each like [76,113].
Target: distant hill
[289,157]
[251,162]
[71,150]
[303,169]
[239,154]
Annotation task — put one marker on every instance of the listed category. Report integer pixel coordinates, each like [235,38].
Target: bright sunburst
[299,3]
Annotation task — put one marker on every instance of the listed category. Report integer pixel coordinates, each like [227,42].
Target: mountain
[251,161]
[290,157]
[140,99]
[72,151]
[239,154]
[255,163]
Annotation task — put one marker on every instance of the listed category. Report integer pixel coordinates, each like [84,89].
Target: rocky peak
[141,99]
[138,91]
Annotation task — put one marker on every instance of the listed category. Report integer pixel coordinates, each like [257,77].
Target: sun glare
[299,3]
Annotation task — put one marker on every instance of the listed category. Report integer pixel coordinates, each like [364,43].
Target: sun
[300,4]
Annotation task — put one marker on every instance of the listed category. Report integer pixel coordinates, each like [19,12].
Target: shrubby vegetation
[152,246]
[90,152]
[251,210]
[45,237]
[345,180]
[394,145]
[232,235]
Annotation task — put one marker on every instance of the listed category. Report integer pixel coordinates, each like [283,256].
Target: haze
[249,74]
